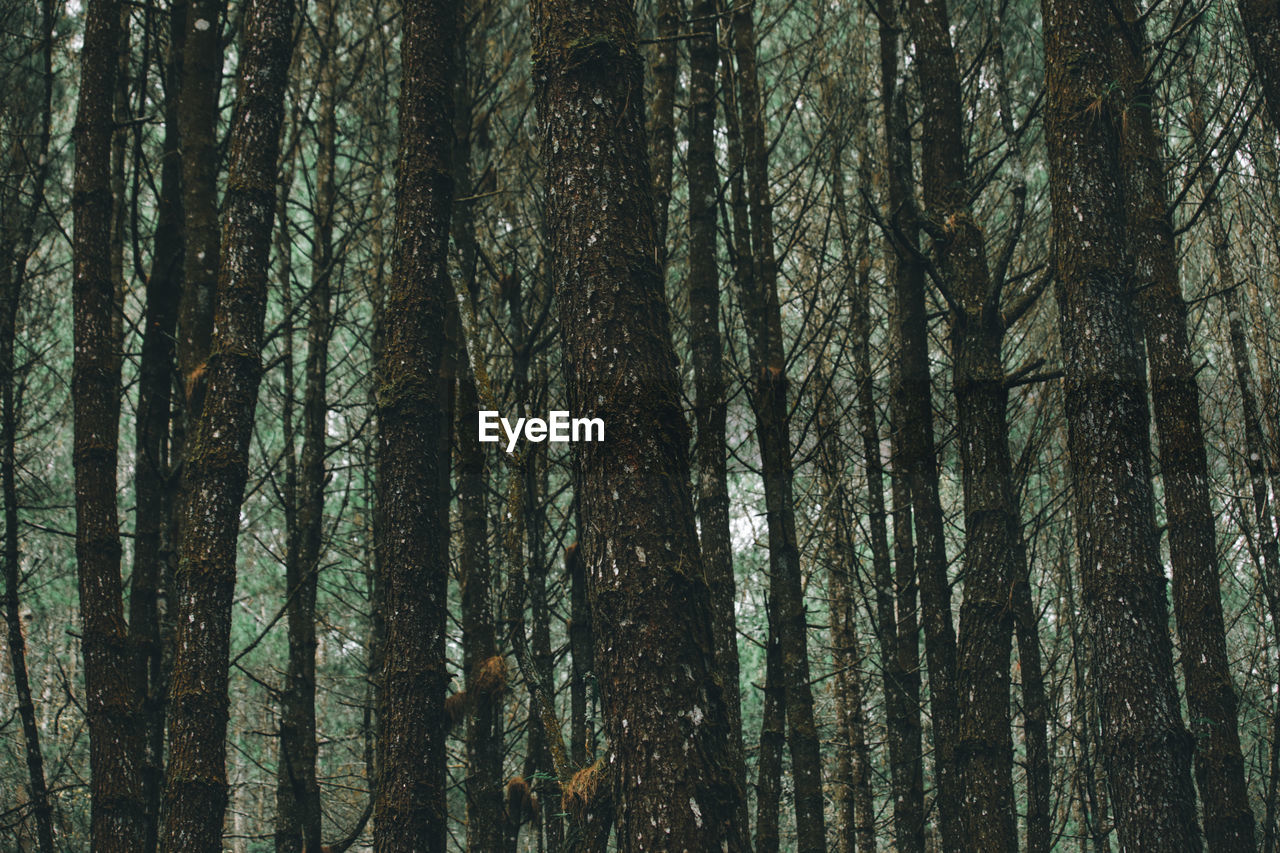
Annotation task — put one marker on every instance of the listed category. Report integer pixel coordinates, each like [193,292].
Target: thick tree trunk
[152,550]
[111,703]
[769,400]
[218,454]
[1261,19]
[409,801]
[1211,700]
[298,815]
[651,609]
[1146,750]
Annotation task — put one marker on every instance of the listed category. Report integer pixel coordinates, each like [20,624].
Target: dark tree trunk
[1261,19]
[154,520]
[651,609]
[1211,700]
[409,802]
[662,124]
[915,460]
[198,97]
[993,555]
[773,738]
[901,650]
[218,455]
[769,401]
[483,671]
[855,831]
[298,815]
[111,703]
[709,405]
[1146,750]
[17,232]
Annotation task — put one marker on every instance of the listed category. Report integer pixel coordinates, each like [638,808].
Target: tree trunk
[855,832]
[709,405]
[198,97]
[651,609]
[111,704]
[769,401]
[1146,750]
[409,801]
[1211,700]
[298,815]
[662,125]
[1261,20]
[901,651]
[19,229]
[218,455]
[154,519]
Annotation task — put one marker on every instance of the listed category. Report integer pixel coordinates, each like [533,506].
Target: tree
[409,805]
[651,611]
[1146,751]
[217,454]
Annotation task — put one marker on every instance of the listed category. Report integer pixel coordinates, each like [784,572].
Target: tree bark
[298,815]
[118,811]
[1211,700]
[651,609]
[769,401]
[218,455]
[153,548]
[709,404]
[1146,750]
[409,802]
[901,650]
[1261,20]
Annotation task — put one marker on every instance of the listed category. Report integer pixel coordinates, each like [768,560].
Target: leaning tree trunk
[1146,750]
[668,755]
[218,454]
[118,811]
[409,801]
[1211,699]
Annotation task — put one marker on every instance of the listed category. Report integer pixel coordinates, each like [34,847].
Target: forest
[926,358]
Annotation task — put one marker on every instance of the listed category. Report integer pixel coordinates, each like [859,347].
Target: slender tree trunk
[662,125]
[218,455]
[1211,700]
[855,802]
[483,670]
[409,801]
[111,703]
[916,461]
[18,223]
[1146,750]
[298,815]
[152,550]
[651,608]
[709,406]
[900,650]
[198,97]
[769,400]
